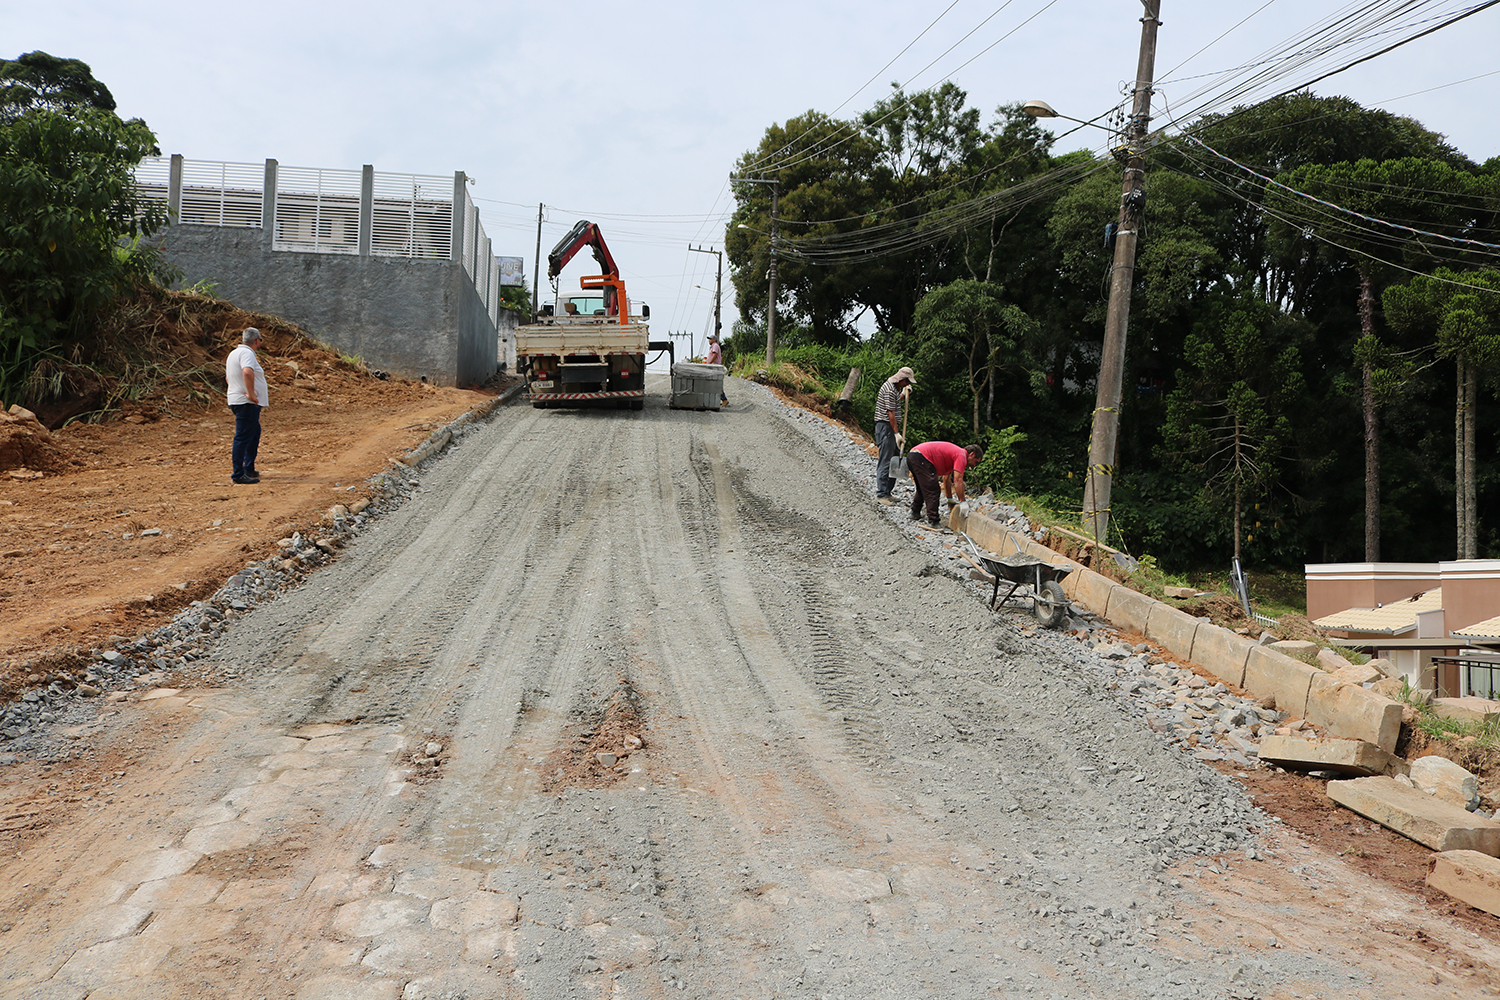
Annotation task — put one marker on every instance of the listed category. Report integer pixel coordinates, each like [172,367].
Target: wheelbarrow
[1041,580]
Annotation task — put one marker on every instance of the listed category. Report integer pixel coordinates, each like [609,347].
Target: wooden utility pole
[771,277]
[1103,440]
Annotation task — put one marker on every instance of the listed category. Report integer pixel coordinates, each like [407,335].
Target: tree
[1462,310]
[821,166]
[1419,192]
[882,184]
[971,320]
[38,80]
[1227,418]
[69,218]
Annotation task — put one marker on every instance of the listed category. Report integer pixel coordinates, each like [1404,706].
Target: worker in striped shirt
[889,404]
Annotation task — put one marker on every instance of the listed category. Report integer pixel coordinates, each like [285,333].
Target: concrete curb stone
[1354,757]
[1129,608]
[1172,628]
[1350,711]
[1268,672]
[1222,653]
[1429,821]
[1469,877]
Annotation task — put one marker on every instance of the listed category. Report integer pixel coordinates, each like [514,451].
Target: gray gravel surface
[857,781]
[860,781]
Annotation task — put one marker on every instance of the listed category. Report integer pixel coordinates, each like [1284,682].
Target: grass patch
[786,376]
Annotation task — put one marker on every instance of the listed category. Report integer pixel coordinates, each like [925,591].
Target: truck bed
[581,336]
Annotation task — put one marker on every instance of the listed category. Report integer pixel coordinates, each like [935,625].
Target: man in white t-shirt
[247,396]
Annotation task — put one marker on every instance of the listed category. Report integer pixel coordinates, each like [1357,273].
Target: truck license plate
[541,385]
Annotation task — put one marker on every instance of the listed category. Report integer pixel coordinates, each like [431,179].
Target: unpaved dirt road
[654,704]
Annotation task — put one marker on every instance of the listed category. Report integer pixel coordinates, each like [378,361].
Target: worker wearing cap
[931,462]
[889,406]
[716,357]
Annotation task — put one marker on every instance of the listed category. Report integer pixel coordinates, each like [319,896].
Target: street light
[1106,425]
[1041,109]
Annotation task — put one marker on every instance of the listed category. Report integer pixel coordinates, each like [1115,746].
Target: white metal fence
[317,210]
[469,233]
[153,178]
[213,193]
[413,216]
[222,194]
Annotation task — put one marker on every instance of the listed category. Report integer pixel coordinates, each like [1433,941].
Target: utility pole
[771,272]
[718,290]
[1105,435]
[771,277]
[536,268]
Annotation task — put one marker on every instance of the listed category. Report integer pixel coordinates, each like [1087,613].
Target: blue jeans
[885,440]
[246,438]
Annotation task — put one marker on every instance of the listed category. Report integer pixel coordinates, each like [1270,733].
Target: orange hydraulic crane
[586,234]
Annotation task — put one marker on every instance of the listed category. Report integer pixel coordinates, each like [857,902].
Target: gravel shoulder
[619,704]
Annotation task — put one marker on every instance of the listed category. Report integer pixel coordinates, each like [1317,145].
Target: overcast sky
[632,114]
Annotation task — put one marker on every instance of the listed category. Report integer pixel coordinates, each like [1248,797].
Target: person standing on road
[247,397]
[716,357]
[930,462]
[890,403]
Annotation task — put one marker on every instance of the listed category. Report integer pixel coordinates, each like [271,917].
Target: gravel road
[625,704]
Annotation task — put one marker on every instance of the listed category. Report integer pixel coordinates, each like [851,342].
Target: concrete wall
[416,317]
[1471,591]
[507,347]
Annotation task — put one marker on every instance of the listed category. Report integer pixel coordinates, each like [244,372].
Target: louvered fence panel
[412,216]
[153,177]
[215,193]
[317,210]
[469,226]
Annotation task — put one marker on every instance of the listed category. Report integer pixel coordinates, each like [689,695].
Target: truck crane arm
[585,234]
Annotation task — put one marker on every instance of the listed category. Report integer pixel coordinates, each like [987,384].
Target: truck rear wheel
[637,404]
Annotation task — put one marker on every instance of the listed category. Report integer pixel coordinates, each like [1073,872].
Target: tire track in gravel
[724,698]
[557,633]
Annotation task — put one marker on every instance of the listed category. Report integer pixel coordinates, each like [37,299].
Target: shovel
[896,467]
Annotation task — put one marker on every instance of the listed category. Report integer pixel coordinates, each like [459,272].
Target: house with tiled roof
[1438,623]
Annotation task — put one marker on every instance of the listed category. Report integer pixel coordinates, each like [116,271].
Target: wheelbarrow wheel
[1050,605]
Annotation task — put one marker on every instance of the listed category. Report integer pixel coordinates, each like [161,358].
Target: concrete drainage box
[695,386]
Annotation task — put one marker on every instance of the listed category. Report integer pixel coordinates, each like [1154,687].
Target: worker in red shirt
[934,461]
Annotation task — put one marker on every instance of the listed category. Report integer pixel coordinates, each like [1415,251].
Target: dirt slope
[75,567]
